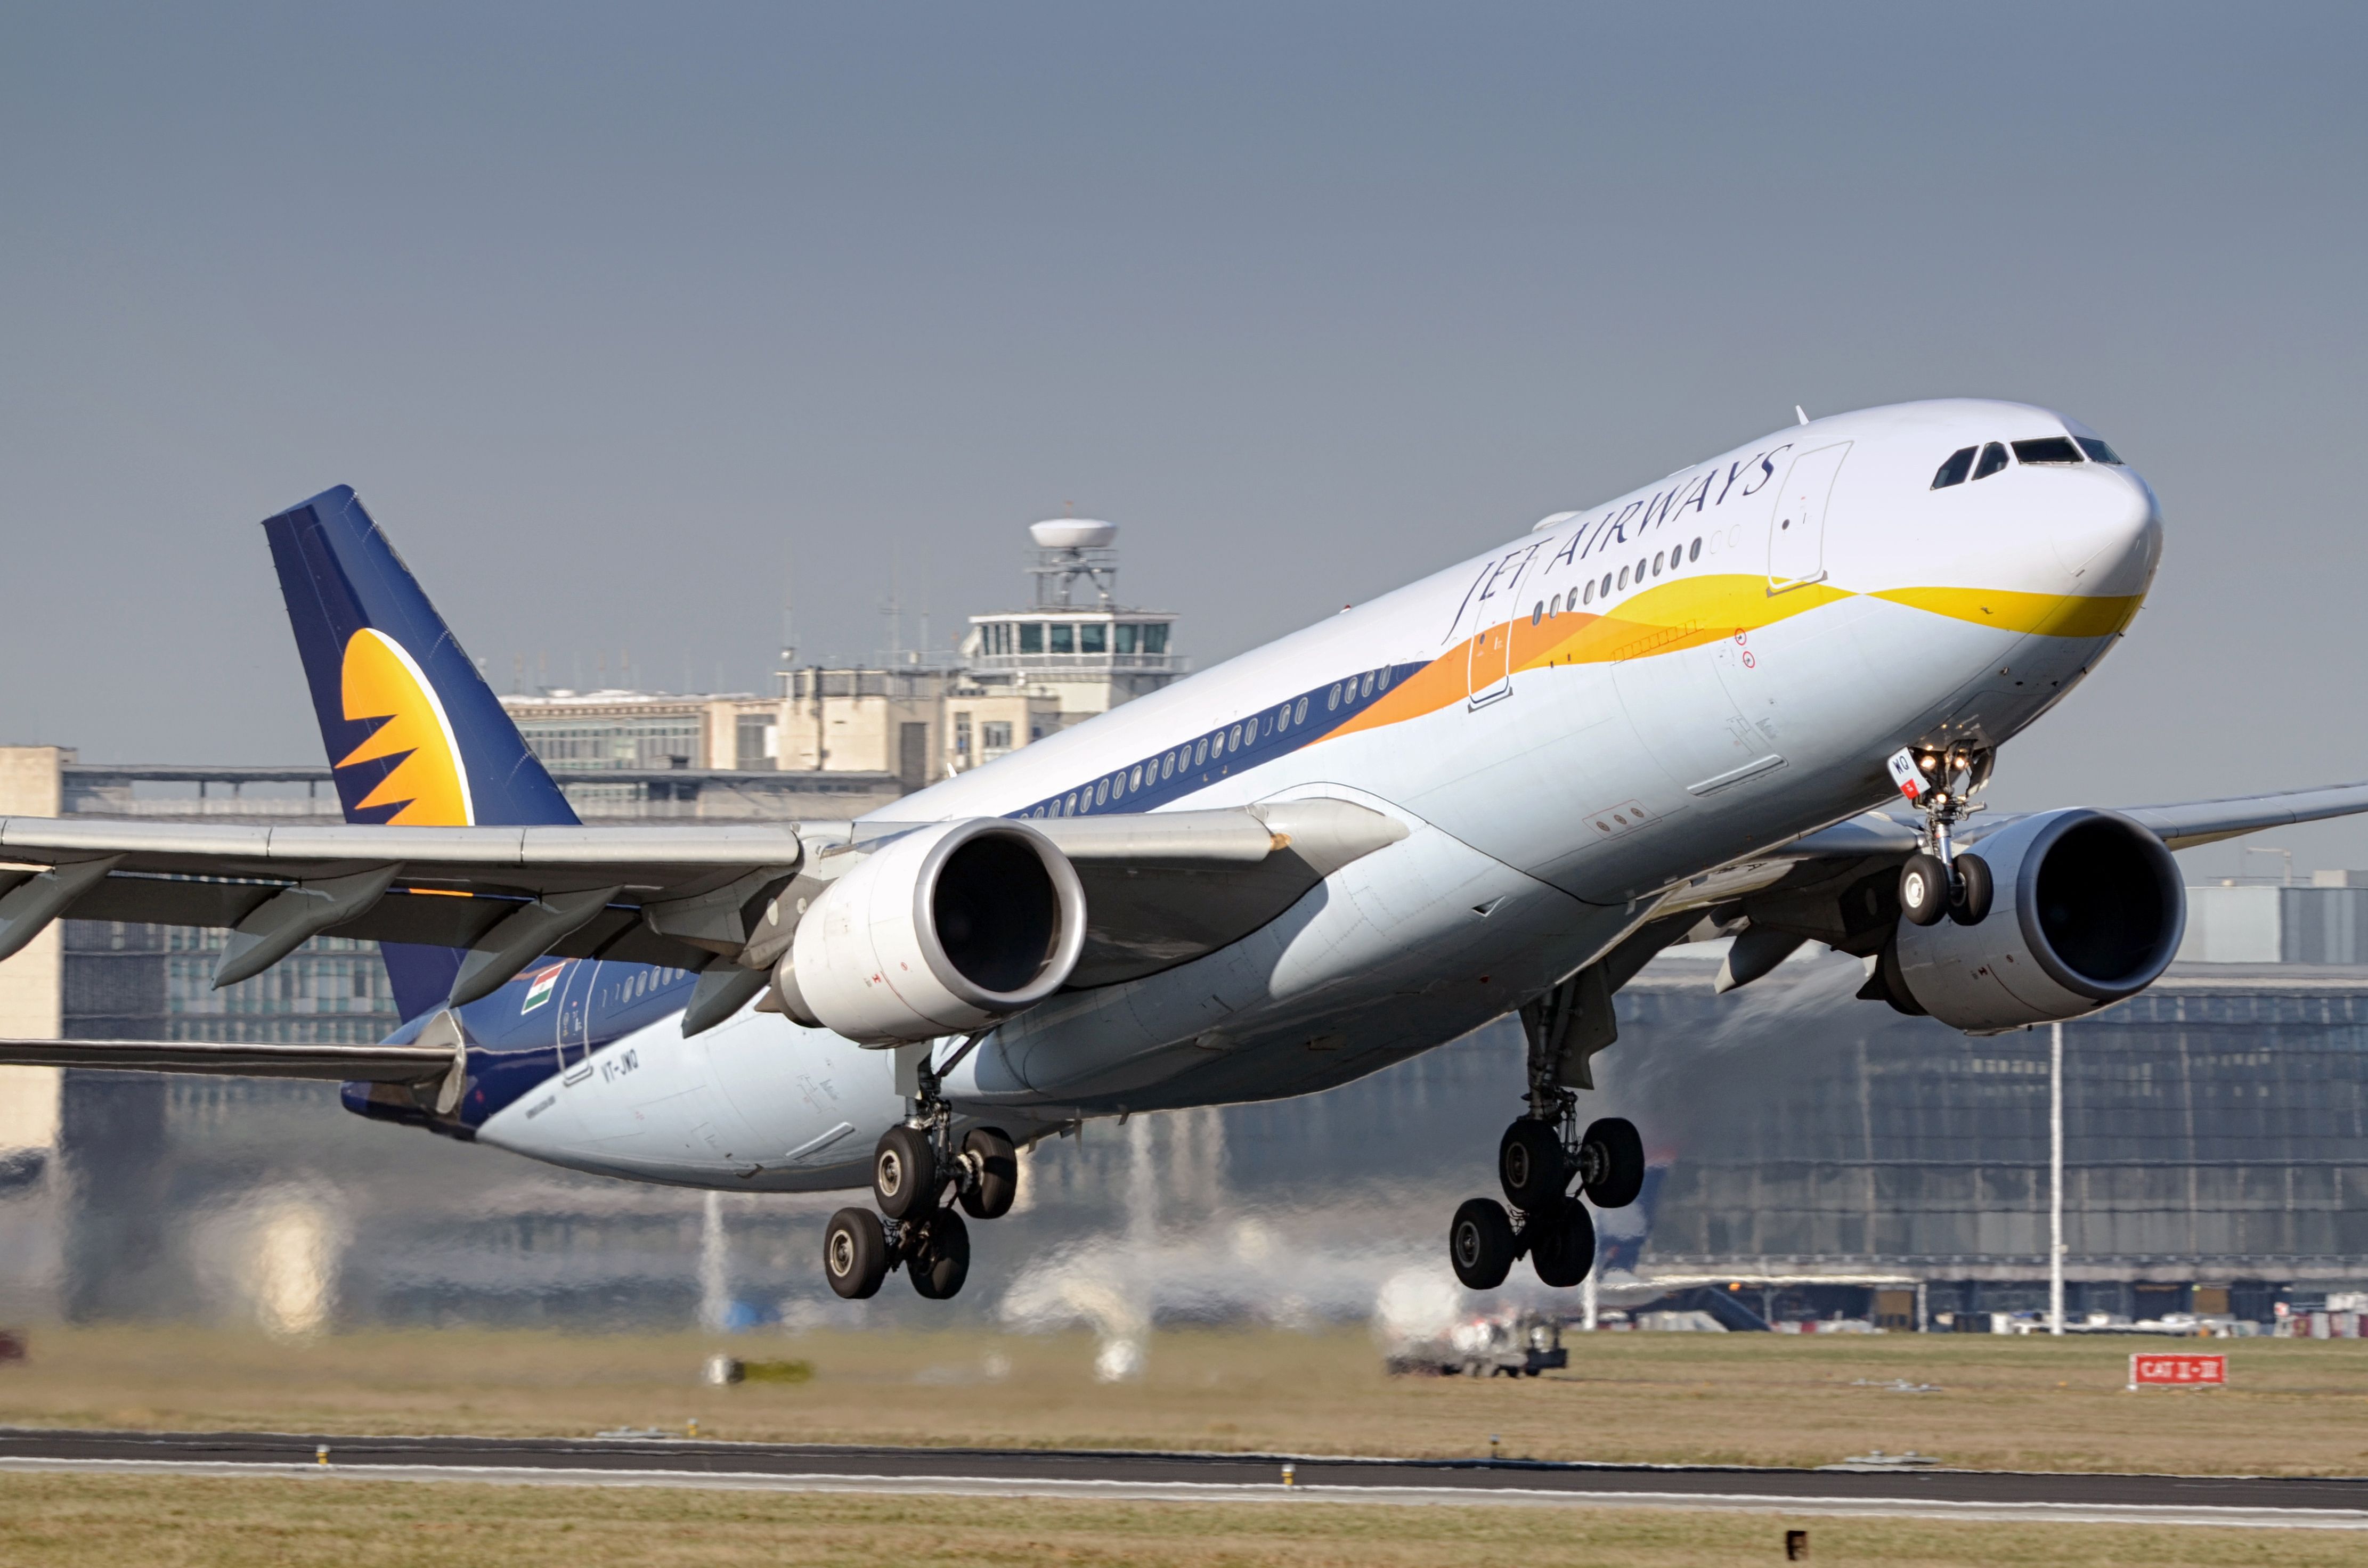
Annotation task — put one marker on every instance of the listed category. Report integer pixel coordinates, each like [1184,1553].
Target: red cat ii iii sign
[2152,1369]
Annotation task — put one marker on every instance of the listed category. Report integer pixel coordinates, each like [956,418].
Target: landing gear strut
[1545,1153]
[918,1177]
[1940,881]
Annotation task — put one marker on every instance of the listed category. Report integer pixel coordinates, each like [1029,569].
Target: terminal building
[885,731]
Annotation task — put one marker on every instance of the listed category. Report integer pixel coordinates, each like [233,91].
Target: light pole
[2055,1179]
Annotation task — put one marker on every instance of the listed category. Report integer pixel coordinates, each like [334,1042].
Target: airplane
[1758,699]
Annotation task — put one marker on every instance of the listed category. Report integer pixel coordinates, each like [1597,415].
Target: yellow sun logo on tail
[380,681]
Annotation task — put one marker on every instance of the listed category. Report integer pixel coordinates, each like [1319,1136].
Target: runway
[1188,1477]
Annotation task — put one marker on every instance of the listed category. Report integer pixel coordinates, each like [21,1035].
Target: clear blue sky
[605,310]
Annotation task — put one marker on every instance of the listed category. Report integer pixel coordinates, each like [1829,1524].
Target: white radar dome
[1073,533]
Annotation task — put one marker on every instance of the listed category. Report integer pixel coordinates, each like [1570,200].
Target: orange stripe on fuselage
[1694,612]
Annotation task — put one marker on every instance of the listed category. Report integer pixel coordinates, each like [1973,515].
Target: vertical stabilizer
[416,737]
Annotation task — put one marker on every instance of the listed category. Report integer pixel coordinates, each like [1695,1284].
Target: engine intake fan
[941,930]
[2089,909]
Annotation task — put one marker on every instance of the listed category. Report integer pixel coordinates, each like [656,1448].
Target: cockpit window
[2047,449]
[1953,471]
[1993,460]
[2100,452]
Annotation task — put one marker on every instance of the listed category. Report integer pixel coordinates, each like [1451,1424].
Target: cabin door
[1796,533]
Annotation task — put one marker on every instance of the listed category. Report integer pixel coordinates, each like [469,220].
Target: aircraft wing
[1836,885]
[1161,888]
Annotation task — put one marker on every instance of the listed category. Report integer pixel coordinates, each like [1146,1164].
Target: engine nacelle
[2087,908]
[942,929]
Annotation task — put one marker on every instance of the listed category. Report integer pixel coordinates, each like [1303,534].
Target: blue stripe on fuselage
[1147,783]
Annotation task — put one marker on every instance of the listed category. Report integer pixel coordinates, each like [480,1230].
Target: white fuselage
[1565,737]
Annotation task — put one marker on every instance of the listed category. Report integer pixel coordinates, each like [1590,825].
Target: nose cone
[2106,535]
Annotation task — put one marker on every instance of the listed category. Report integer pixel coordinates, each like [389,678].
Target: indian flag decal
[546,981]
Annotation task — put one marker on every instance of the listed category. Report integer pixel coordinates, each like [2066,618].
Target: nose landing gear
[1939,882]
[918,1179]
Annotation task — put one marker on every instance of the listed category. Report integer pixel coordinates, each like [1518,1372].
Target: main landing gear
[1541,1217]
[1938,882]
[1545,1153]
[923,1184]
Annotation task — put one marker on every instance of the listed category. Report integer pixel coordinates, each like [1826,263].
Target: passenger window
[1607,584]
[2047,449]
[1332,698]
[1623,577]
[1657,563]
[1382,679]
[1993,460]
[1366,688]
[1102,792]
[2100,452]
[1200,753]
[1134,779]
[1299,714]
[1538,613]
[1167,766]
[1586,597]
[1234,738]
[1073,802]
[1953,471]
[1694,553]
[1553,607]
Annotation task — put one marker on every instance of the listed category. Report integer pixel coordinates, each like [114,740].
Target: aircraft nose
[2107,540]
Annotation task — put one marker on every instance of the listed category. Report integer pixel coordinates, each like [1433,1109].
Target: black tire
[1480,1244]
[1613,1156]
[1924,889]
[941,1262]
[998,1174]
[1972,903]
[855,1254]
[1531,1165]
[904,1174]
[1562,1245]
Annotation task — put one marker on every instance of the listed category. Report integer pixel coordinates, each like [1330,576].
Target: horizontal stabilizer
[336,1063]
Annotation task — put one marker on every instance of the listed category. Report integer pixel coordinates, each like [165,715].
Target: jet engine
[2088,909]
[941,929]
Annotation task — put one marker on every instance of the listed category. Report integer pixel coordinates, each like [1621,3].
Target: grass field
[59,1521]
[2294,1407]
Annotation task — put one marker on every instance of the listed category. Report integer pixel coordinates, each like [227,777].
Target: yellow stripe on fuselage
[1694,612]
[2049,615]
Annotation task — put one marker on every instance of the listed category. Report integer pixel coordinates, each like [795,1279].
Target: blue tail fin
[414,737]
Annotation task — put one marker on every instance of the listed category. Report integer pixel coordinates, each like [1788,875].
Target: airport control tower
[1076,651]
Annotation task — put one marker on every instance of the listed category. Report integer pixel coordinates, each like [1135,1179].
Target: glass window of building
[995,736]
[1155,637]
[1093,637]
[1123,637]
[1031,637]
[1065,639]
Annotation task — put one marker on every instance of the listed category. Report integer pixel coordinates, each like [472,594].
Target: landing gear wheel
[1562,1244]
[1531,1165]
[941,1260]
[1481,1244]
[1924,889]
[1611,1159]
[904,1174]
[989,1197]
[855,1254]
[1972,900]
